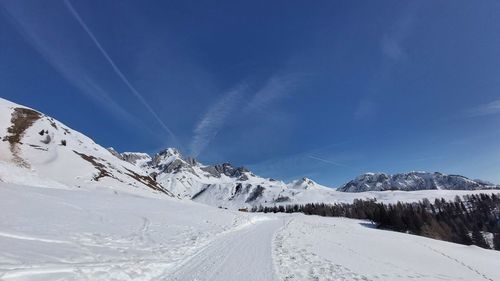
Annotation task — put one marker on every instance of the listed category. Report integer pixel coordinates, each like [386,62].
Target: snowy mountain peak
[168,155]
[114,152]
[303,183]
[170,152]
[137,158]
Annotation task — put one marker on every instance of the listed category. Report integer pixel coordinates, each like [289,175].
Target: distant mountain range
[413,181]
[39,150]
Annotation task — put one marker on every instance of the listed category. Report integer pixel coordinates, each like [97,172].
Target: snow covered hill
[36,149]
[413,181]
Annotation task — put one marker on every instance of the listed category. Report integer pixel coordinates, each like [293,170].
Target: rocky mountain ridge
[413,181]
[220,184]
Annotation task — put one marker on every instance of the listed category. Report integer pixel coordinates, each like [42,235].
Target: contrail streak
[117,70]
[328,161]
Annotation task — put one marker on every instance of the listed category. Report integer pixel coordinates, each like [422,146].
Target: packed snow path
[243,255]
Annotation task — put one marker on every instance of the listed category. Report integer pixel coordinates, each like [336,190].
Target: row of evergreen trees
[467,220]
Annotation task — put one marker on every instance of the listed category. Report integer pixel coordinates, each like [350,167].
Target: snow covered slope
[36,149]
[413,181]
[328,249]
[104,234]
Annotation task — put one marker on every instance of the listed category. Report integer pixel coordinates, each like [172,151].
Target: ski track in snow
[243,255]
[462,263]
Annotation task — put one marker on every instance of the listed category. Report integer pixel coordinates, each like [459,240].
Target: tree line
[470,220]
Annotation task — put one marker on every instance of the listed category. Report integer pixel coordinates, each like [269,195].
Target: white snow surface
[317,248]
[103,234]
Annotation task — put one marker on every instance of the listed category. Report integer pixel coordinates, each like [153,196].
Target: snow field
[317,248]
[55,234]
[101,234]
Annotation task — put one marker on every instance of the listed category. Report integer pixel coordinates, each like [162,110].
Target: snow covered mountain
[38,150]
[236,187]
[220,185]
[413,181]
[224,185]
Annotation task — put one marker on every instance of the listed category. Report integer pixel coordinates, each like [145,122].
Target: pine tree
[496,241]
[478,239]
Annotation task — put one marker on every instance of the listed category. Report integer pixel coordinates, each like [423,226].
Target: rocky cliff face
[413,181]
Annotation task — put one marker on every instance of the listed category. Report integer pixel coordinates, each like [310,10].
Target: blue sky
[323,89]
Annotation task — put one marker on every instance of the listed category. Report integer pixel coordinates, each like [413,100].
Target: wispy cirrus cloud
[392,41]
[365,109]
[393,51]
[484,109]
[276,87]
[391,48]
[215,117]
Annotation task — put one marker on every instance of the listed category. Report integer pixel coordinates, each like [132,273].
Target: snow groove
[24,237]
[462,263]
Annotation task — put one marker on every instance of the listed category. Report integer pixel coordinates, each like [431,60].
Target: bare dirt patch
[103,172]
[21,120]
[148,181]
[101,168]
